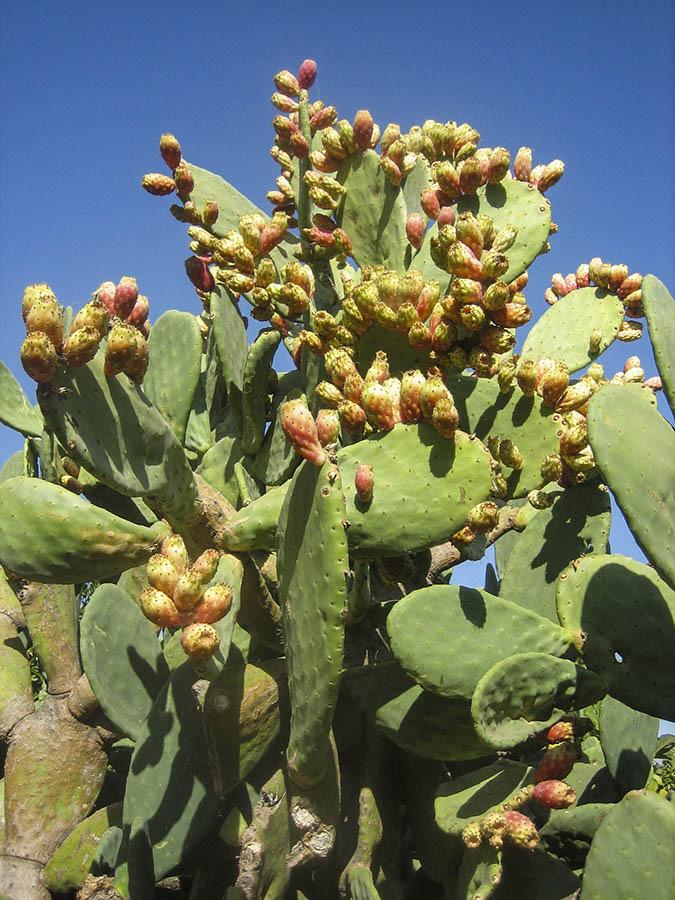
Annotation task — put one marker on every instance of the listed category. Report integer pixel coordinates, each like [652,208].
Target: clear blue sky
[87,88]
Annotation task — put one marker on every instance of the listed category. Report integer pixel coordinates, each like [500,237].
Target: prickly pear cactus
[229,649]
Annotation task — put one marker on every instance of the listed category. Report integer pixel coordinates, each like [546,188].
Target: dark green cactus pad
[254,527]
[110,428]
[313,567]
[16,411]
[136,878]
[133,581]
[217,465]
[243,714]
[70,541]
[70,864]
[526,693]
[229,331]
[372,213]
[431,628]
[568,833]
[660,311]
[480,873]
[122,658]
[169,784]
[257,370]
[531,425]
[564,331]
[434,482]
[577,524]
[400,354]
[517,203]
[628,739]
[175,346]
[634,449]
[198,432]
[276,460]
[631,856]
[466,799]
[534,875]
[422,723]
[625,615]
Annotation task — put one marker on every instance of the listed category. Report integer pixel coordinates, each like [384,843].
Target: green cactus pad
[431,628]
[243,719]
[422,260]
[660,311]
[169,783]
[255,388]
[175,346]
[531,425]
[628,739]
[526,693]
[12,467]
[466,799]
[277,460]
[70,541]
[372,213]
[69,866]
[626,615]
[632,853]
[122,658]
[573,828]
[198,432]
[217,465]
[634,449]
[480,873]
[400,354]
[110,428]
[229,332]
[517,203]
[313,567]
[254,527]
[577,524]
[416,181]
[16,410]
[422,723]
[564,331]
[534,875]
[432,481]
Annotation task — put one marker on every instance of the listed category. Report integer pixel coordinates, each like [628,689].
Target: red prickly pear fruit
[415,227]
[81,346]
[556,763]
[307,74]
[157,184]
[363,129]
[327,426]
[188,591]
[582,276]
[521,830]
[323,118]
[205,565]
[430,204]
[352,416]
[286,83]
[378,406]
[199,274]
[379,368]
[535,175]
[498,165]
[364,481]
[471,836]
[46,316]
[35,292]
[95,315]
[170,150]
[630,284]
[300,429]
[631,363]
[215,603]
[173,548]
[512,315]
[105,294]
[447,216]
[445,418]
[554,794]
[433,390]
[139,314]
[462,262]
[559,285]
[655,384]
[522,164]
[561,731]
[551,175]
[393,388]
[159,608]
[391,170]
[185,183]
[273,232]
[471,175]
[299,145]
[210,213]
[199,641]
[126,295]
[162,574]
[38,357]
[412,383]
[483,517]
[428,298]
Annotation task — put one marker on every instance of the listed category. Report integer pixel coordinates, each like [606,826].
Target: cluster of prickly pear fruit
[245,573]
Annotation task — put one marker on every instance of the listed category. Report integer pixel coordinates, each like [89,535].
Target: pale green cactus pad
[660,311]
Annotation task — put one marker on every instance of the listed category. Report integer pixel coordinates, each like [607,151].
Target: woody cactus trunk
[233,653]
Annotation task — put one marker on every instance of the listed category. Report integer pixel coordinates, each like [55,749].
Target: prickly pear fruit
[137,365]
[199,274]
[554,794]
[105,294]
[94,315]
[35,292]
[173,548]
[215,603]
[38,357]
[120,347]
[433,390]
[81,346]
[300,429]
[205,565]
[471,836]
[379,368]
[364,481]
[445,417]
[159,608]
[170,150]
[556,763]
[157,184]
[46,316]
[352,416]
[307,74]
[162,574]
[378,407]
[199,641]
[510,455]
[126,295]
[483,517]
[327,426]
[363,129]
[492,827]
[188,590]
[184,181]
[520,830]
[415,227]
[139,314]
[551,468]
